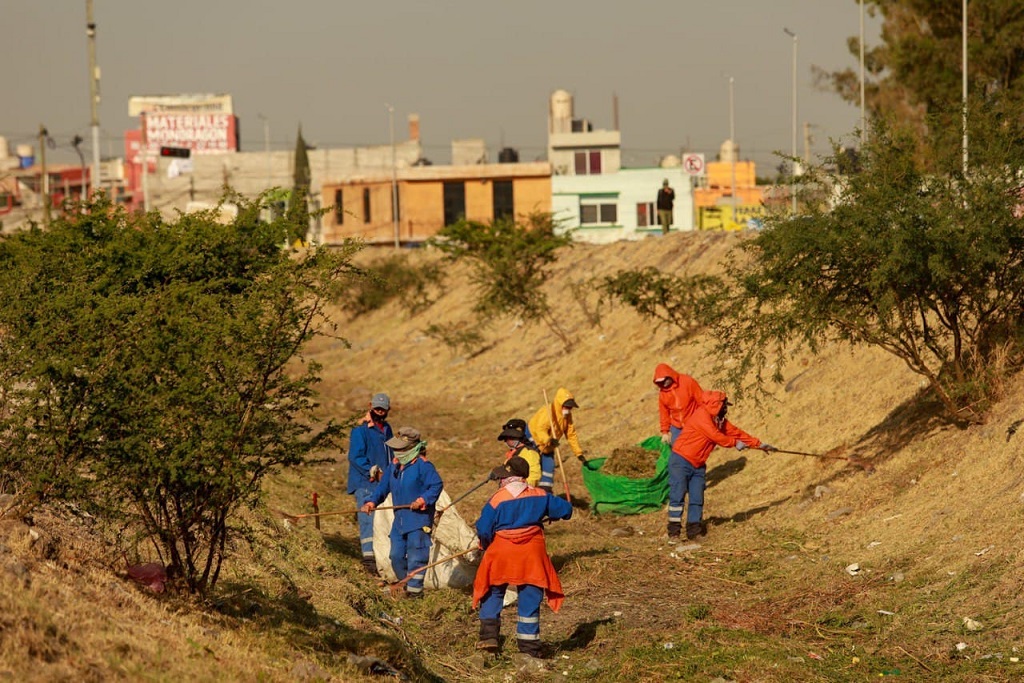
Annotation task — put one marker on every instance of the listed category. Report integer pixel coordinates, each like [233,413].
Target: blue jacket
[503,513]
[406,483]
[365,449]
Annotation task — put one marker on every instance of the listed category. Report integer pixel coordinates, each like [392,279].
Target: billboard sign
[201,133]
[180,104]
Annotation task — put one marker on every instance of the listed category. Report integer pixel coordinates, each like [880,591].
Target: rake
[400,585]
[863,464]
[295,518]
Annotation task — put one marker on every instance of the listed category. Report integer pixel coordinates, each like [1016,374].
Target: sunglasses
[664,382]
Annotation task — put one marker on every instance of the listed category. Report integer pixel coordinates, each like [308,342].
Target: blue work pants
[530,597]
[685,481]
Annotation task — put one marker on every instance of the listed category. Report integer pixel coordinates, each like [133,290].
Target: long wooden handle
[342,512]
[558,454]
[434,564]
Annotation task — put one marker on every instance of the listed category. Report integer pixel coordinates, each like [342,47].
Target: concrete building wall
[626,190]
[250,173]
[421,197]
[532,195]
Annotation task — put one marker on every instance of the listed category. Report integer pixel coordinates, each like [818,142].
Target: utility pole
[733,151]
[94,93]
[45,177]
[394,176]
[145,164]
[792,189]
[863,117]
[266,146]
[963,22]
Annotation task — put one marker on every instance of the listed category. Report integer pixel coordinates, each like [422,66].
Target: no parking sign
[693,164]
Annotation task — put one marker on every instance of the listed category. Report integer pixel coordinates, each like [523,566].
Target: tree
[152,370]
[925,264]
[510,260]
[915,74]
[298,205]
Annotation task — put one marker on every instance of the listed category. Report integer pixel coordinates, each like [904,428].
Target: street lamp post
[963,49]
[863,117]
[94,93]
[394,175]
[732,143]
[266,145]
[792,190]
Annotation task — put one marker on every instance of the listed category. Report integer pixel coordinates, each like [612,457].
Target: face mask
[377,418]
[566,412]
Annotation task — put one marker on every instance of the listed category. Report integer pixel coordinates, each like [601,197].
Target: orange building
[431,197]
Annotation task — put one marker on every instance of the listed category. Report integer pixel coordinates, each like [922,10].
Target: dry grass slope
[765,597]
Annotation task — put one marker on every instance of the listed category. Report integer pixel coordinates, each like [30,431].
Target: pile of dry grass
[633,462]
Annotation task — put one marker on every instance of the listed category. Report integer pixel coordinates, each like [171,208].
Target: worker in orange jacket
[677,398]
[704,429]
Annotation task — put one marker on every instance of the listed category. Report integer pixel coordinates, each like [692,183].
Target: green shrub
[394,277]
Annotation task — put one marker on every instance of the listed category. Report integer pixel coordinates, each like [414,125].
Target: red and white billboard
[202,133]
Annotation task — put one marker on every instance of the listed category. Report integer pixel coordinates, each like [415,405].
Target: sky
[469,68]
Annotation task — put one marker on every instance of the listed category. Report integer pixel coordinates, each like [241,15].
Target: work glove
[375,473]
[418,504]
[581,458]
[740,445]
[666,438]
[368,507]
[768,448]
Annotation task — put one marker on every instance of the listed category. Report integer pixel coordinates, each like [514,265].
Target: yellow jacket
[532,458]
[548,425]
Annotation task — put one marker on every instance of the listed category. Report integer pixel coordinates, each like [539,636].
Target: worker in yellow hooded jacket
[549,424]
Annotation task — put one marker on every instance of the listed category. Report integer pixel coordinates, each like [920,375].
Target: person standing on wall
[666,198]
[368,458]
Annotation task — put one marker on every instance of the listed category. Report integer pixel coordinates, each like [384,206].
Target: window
[366,205]
[588,162]
[454,202]
[339,208]
[598,212]
[504,205]
[645,215]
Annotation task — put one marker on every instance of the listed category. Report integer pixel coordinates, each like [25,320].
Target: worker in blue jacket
[368,458]
[413,481]
[511,531]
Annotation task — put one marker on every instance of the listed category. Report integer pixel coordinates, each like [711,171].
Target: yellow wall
[720,174]
[422,202]
[532,195]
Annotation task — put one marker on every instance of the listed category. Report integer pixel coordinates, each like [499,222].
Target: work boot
[692,530]
[489,630]
[673,530]
[370,565]
[418,595]
[531,647]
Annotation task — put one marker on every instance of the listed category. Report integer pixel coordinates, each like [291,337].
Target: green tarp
[626,496]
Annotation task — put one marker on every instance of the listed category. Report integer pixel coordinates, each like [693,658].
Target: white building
[592,194]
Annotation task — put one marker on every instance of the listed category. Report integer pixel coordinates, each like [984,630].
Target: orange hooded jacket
[701,431]
[677,402]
